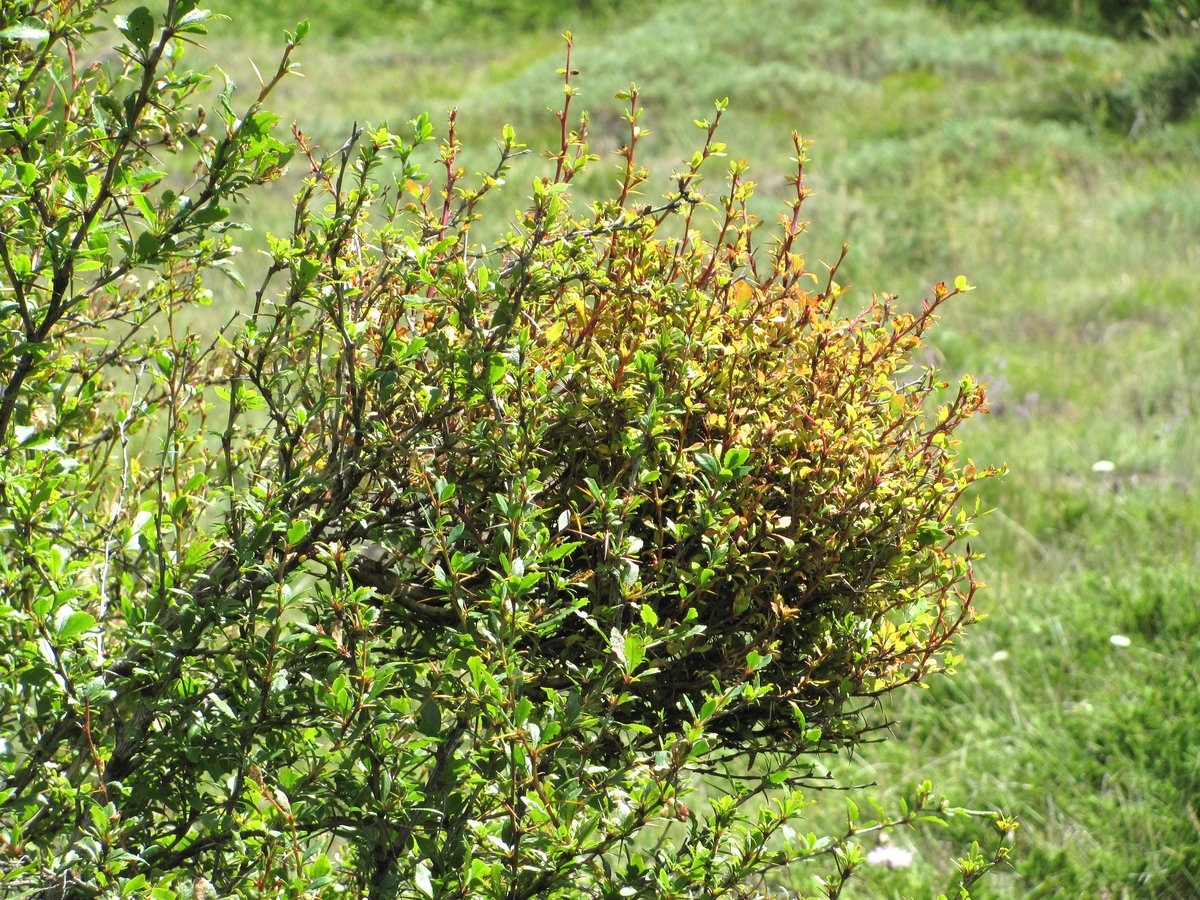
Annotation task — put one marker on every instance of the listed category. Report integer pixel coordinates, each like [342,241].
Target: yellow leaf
[742,291]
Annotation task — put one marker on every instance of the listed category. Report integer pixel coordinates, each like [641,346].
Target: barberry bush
[546,568]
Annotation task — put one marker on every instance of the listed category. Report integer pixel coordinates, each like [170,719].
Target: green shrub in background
[1116,17]
[443,570]
[1162,88]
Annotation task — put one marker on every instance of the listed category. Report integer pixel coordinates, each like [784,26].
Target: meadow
[1059,170]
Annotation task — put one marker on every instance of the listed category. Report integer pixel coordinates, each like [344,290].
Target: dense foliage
[1121,17]
[443,570]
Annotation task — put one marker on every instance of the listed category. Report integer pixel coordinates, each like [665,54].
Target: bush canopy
[442,569]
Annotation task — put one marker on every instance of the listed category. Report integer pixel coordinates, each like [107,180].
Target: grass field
[1044,163]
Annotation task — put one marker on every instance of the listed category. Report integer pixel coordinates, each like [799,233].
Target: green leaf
[559,551]
[210,215]
[297,532]
[616,640]
[421,877]
[708,463]
[524,708]
[165,361]
[196,15]
[260,124]
[497,366]
[134,884]
[147,247]
[930,533]
[26,172]
[429,718]
[24,33]
[635,652]
[138,27]
[137,179]
[736,457]
[77,180]
[70,623]
[142,202]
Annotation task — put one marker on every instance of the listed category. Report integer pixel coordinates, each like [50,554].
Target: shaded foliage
[1117,17]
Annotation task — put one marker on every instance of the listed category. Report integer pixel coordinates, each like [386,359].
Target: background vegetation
[1053,158]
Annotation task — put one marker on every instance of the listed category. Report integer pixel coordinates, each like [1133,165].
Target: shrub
[1116,17]
[442,570]
[1172,90]
[1163,89]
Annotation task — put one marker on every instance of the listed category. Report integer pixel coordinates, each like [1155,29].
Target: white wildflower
[891,856]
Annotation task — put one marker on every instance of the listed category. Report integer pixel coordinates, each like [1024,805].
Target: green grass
[998,148]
